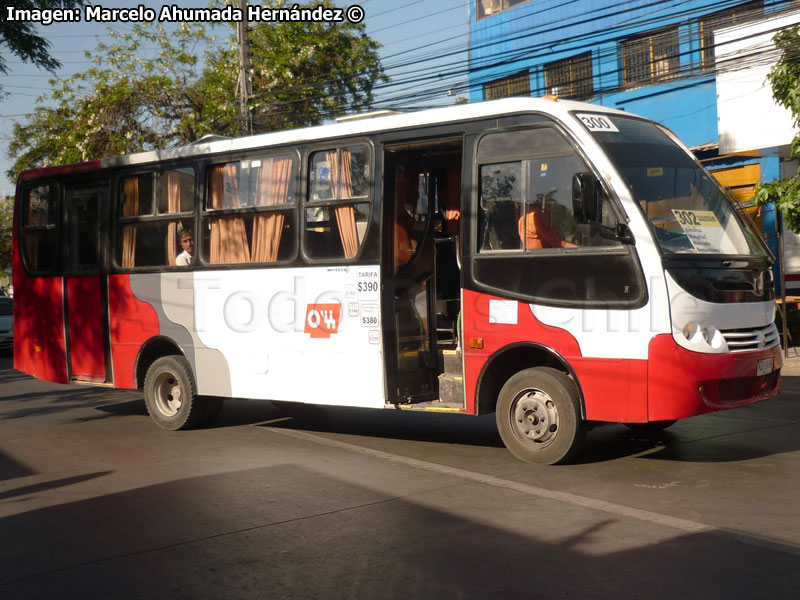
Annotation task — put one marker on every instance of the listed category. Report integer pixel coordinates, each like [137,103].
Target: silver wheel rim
[168,394]
[534,418]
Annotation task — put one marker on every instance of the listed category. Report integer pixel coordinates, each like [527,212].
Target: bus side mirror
[585,199]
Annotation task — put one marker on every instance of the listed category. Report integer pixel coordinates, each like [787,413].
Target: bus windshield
[687,210]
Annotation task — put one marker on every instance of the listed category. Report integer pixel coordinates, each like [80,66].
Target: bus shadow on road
[724,437]
[710,438]
[117,409]
[744,434]
[388,424]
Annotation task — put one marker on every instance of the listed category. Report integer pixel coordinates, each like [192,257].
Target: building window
[734,16]
[487,8]
[516,85]
[570,78]
[651,57]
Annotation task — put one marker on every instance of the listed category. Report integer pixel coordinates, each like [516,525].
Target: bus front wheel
[169,394]
[538,416]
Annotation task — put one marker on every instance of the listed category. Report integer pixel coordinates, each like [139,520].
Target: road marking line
[685,525]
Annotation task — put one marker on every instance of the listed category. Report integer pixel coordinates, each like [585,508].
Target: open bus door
[85,290]
[415,277]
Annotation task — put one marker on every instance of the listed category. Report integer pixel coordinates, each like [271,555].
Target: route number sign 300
[594,122]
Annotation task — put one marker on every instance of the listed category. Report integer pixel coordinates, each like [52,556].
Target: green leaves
[785,194]
[784,77]
[6,221]
[21,38]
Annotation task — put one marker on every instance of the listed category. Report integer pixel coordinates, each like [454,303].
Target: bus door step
[451,381]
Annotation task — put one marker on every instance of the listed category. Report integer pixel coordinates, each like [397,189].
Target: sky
[412,34]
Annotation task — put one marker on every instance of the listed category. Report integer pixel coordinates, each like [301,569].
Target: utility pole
[244,87]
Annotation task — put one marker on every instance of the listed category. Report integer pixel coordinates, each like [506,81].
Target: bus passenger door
[85,297]
[415,238]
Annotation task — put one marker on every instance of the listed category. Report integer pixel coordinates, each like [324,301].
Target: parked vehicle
[6,323]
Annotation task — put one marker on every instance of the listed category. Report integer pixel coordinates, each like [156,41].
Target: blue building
[667,61]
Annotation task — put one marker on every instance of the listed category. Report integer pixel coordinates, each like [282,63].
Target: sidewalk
[791,363]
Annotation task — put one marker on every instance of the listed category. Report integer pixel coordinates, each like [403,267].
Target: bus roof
[347,128]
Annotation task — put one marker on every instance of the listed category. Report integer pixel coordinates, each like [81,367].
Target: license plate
[764,366]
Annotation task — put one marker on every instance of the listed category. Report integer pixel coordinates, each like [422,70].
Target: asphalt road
[278,501]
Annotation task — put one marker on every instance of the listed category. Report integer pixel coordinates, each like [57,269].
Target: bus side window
[40,229]
[528,205]
[149,227]
[250,211]
[337,207]
[500,206]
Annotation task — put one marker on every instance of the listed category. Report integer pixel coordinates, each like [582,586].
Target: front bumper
[683,383]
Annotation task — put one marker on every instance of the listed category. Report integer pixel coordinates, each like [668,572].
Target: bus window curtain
[130,188]
[173,206]
[273,188]
[228,234]
[345,215]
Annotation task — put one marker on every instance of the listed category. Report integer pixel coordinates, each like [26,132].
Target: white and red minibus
[558,263]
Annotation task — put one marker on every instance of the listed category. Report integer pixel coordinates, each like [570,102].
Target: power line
[526,54]
[421,75]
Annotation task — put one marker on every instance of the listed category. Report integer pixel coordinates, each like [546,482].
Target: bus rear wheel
[169,394]
[538,416]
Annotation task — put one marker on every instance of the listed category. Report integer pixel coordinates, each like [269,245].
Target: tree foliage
[6,221]
[784,77]
[21,38]
[125,102]
[306,72]
[133,99]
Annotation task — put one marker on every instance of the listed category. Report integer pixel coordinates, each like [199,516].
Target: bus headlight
[708,335]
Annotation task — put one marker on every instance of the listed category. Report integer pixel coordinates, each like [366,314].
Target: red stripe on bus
[614,389]
[131,323]
[59,170]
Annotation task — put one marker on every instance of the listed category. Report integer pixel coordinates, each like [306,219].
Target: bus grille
[744,340]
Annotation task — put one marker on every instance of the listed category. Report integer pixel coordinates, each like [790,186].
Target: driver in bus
[536,231]
[186,257]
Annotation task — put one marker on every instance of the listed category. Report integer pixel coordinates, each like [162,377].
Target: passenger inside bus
[536,229]
[186,257]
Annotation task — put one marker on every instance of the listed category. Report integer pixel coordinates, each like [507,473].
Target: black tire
[169,393]
[651,428]
[539,417]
